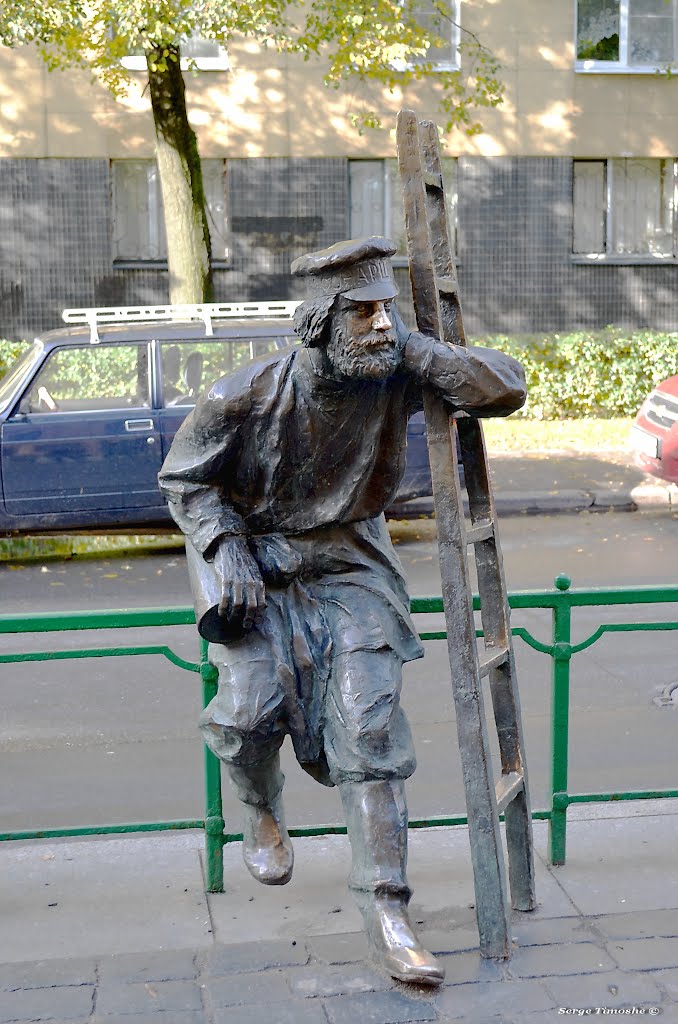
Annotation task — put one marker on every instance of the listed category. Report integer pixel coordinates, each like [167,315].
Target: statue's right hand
[242,588]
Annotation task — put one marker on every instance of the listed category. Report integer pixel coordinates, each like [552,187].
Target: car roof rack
[207,312]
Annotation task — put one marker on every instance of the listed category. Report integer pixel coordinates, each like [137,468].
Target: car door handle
[138,425]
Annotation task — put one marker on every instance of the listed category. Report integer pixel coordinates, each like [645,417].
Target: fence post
[560,722]
[214,821]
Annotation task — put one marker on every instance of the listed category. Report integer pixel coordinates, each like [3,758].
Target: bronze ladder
[438,312]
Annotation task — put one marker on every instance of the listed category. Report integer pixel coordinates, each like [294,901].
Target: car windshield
[17,372]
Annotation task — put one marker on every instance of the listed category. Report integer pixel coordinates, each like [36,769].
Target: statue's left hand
[278,560]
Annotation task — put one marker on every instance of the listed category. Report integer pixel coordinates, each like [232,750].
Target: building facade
[563,208]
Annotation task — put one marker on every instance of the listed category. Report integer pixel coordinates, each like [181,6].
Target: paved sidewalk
[563,482]
[118,931]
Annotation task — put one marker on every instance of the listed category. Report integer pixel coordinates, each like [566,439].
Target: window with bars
[376,206]
[138,218]
[624,209]
[626,35]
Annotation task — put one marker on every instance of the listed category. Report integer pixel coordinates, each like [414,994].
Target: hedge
[596,374]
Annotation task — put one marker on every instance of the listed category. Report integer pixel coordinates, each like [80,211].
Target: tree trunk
[183,196]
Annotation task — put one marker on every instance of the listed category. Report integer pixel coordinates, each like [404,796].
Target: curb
[511,503]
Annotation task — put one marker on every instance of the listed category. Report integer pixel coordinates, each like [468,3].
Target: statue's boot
[376,819]
[267,847]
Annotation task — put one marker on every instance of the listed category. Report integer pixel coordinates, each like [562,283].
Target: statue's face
[363,343]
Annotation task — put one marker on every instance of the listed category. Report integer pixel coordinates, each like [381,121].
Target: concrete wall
[268,105]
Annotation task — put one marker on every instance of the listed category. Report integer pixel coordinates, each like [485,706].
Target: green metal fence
[560,601]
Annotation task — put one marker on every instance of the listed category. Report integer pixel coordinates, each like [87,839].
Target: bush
[601,374]
[9,351]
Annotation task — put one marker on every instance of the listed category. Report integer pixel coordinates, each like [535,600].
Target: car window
[188,367]
[17,372]
[92,378]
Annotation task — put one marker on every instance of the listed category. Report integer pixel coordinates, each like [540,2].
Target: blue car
[88,412]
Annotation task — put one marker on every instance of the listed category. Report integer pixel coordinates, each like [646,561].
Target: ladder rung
[492,658]
[508,788]
[447,285]
[483,529]
[432,179]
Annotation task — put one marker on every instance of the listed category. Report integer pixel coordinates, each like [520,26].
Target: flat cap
[359,268]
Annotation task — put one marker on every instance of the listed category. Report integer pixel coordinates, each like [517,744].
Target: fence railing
[560,601]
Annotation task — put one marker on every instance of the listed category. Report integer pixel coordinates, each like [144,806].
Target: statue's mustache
[375,339]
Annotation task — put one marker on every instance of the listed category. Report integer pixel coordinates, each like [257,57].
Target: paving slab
[621,864]
[666,980]
[46,1003]
[292,1013]
[462,968]
[529,931]
[47,974]
[255,988]
[324,980]
[544,961]
[379,1008]
[609,989]
[644,954]
[347,948]
[165,965]
[148,997]
[253,956]
[92,897]
[468,1002]
[640,924]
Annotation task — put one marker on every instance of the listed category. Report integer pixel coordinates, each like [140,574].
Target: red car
[654,436]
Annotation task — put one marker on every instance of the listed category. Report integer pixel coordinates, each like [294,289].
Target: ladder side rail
[495,617]
[494,610]
[451,322]
[492,589]
[486,853]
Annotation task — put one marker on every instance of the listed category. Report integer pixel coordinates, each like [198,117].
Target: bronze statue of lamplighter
[279,479]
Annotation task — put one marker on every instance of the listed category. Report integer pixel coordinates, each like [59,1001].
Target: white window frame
[137,62]
[622,66]
[454,63]
[154,198]
[609,256]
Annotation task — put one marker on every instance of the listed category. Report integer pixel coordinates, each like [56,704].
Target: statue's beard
[374,356]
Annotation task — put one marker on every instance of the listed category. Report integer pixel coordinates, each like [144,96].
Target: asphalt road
[105,740]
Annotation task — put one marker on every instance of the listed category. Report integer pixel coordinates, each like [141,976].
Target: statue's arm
[482,381]
[194,471]
[192,479]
